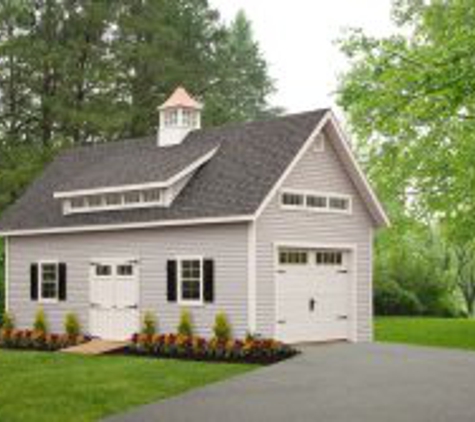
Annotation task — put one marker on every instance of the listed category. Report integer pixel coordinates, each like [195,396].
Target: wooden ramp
[96,347]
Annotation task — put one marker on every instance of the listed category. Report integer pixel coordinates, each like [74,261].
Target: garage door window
[293,257]
[329,258]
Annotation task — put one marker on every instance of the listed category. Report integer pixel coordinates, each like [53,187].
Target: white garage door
[313,295]
[114,296]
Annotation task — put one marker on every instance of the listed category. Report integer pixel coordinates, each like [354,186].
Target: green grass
[438,332]
[54,387]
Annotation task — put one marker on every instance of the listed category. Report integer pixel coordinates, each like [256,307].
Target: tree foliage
[410,100]
[81,71]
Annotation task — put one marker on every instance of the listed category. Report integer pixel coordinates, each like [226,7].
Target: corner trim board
[251,276]
[7,273]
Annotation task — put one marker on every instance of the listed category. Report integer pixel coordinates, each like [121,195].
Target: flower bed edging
[32,340]
[172,346]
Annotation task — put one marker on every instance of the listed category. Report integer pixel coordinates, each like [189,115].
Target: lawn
[452,333]
[54,387]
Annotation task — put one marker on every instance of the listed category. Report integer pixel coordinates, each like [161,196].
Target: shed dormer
[179,115]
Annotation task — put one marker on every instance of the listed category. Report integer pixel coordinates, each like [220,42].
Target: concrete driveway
[337,383]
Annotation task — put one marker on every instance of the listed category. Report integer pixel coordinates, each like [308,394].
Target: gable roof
[248,164]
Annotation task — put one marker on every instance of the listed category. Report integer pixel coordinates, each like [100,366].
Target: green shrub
[40,324]
[149,324]
[8,321]
[185,327]
[222,328]
[72,327]
[392,299]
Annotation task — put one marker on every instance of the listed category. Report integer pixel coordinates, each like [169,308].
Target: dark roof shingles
[250,160]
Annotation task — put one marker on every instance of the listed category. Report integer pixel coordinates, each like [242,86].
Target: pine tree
[241,92]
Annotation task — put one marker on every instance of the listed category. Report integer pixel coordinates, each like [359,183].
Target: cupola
[179,115]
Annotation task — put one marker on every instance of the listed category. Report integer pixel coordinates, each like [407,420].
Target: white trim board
[7,273]
[128,226]
[251,278]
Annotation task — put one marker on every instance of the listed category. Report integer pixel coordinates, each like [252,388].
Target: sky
[298,38]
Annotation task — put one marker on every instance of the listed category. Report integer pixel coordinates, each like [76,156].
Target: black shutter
[34,282]
[171,281]
[208,278]
[62,281]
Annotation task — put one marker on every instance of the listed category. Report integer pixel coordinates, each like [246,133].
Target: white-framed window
[329,258]
[339,203]
[171,117]
[48,281]
[132,197]
[115,200]
[103,270]
[190,280]
[78,203]
[189,118]
[316,201]
[152,195]
[292,199]
[94,201]
[125,270]
[293,256]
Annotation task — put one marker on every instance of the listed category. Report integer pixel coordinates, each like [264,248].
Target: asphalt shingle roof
[249,161]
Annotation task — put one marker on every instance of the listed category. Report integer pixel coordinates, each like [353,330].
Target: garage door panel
[327,286]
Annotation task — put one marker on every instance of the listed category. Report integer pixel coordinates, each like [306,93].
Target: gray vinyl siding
[319,171]
[225,244]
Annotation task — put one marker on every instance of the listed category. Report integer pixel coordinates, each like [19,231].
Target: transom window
[152,195]
[191,280]
[132,197]
[329,258]
[49,281]
[339,204]
[315,201]
[292,199]
[293,257]
[116,200]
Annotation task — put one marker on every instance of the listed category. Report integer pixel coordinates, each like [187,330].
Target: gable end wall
[324,172]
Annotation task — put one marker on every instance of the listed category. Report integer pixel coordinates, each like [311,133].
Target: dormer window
[152,195]
[160,193]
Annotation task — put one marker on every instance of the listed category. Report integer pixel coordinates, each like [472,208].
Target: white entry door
[313,295]
[114,298]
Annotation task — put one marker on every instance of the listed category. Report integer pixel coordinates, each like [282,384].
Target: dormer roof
[181,98]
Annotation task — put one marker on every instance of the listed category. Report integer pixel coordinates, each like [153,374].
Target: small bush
[149,324]
[72,327]
[185,327]
[40,324]
[391,299]
[8,321]
[222,328]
